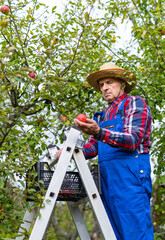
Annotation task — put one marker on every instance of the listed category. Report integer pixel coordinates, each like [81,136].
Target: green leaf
[1,183]
[53,9]
[86,16]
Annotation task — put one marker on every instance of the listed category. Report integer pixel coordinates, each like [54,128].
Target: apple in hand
[82,117]
[4,9]
[32,75]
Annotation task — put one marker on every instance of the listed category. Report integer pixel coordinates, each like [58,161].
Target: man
[120,136]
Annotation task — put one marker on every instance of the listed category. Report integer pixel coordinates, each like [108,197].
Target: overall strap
[121,109]
[98,116]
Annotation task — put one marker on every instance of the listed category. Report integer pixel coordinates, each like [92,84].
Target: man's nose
[105,86]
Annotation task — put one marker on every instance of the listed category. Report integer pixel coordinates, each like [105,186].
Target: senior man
[120,136]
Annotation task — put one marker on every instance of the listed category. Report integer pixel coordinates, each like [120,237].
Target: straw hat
[111,70]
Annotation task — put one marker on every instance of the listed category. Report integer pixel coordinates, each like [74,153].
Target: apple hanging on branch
[32,75]
[63,118]
[40,120]
[82,117]
[4,9]
[162,32]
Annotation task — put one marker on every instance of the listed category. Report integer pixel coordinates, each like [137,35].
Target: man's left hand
[89,127]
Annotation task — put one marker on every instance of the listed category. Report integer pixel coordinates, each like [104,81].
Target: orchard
[45,55]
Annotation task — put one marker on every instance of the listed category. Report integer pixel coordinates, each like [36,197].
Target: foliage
[62,49]
[62,227]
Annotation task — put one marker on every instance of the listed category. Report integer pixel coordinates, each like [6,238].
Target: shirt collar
[118,100]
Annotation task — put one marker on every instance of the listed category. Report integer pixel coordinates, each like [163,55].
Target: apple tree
[45,57]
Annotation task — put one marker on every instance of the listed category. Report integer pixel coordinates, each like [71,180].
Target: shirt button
[141,171]
[136,156]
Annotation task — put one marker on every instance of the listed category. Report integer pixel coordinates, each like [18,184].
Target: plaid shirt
[136,128]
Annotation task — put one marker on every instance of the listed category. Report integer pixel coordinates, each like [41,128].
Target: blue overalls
[126,186]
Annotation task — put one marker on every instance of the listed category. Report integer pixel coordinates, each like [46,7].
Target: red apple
[40,120]
[4,9]
[82,117]
[32,75]
[64,118]
[162,32]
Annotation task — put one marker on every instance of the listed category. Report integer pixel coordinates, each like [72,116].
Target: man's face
[111,88]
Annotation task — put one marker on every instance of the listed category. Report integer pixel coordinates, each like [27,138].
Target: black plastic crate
[72,188]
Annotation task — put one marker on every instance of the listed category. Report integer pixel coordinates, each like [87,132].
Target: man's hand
[89,127]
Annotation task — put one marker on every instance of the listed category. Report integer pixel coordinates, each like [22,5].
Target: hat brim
[128,77]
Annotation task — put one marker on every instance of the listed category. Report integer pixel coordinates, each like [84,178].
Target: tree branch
[63,72]
[17,33]
[30,24]
[109,49]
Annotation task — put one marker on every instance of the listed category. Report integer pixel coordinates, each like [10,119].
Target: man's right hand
[90,127]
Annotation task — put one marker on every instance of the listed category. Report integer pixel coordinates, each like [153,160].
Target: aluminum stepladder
[71,149]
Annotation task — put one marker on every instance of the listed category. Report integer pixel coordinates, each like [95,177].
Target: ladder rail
[42,220]
[27,221]
[79,221]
